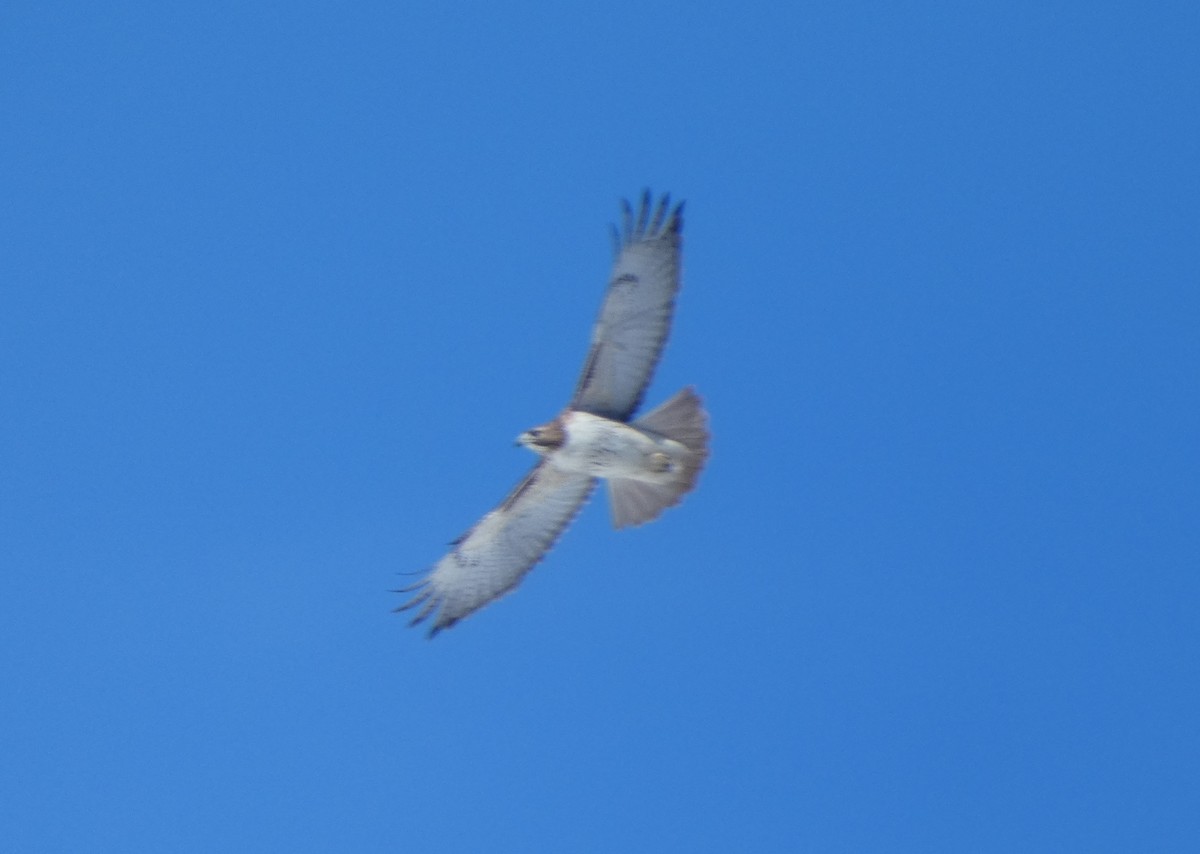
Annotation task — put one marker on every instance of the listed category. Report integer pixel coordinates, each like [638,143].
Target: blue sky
[281,282]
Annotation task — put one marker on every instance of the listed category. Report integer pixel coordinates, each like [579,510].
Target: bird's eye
[535,433]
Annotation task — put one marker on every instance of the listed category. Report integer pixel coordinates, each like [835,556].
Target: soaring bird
[650,462]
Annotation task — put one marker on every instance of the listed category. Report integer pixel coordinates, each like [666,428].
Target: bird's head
[543,439]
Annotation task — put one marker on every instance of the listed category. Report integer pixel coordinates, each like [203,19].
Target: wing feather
[634,320]
[492,558]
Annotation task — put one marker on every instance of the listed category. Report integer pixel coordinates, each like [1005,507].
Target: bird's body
[601,447]
[649,463]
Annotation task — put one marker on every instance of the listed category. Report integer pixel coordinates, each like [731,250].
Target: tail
[682,419]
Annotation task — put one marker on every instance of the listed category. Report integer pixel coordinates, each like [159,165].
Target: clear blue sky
[281,282]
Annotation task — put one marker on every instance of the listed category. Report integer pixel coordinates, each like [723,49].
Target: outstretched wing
[492,558]
[636,316]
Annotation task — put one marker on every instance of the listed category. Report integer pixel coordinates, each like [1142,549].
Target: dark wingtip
[649,220]
[660,213]
[644,212]
[675,224]
[441,623]
[410,588]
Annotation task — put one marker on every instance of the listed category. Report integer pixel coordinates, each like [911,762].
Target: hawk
[650,462]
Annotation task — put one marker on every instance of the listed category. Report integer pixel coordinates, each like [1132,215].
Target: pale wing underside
[493,557]
[636,315]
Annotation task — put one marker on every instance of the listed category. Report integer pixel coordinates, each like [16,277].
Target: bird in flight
[650,462]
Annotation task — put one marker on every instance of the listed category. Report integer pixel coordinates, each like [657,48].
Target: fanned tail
[683,419]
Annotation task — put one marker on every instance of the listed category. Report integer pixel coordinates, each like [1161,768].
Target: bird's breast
[601,447]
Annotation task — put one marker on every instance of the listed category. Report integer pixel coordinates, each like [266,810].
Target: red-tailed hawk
[650,463]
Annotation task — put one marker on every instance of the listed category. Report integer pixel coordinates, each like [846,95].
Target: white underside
[603,448]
